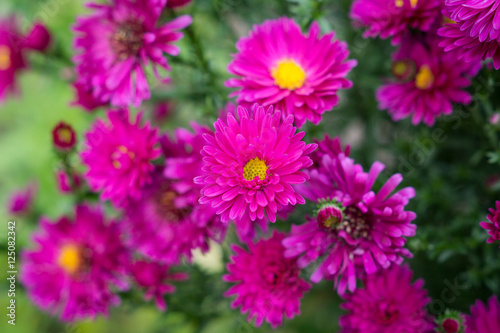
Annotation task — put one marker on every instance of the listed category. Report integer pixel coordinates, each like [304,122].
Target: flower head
[65,182]
[493,226]
[116,43]
[76,263]
[357,230]
[63,136]
[430,81]
[118,156]
[473,30]
[251,163]
[394,18]
[21,201]
[85,99]
[388,303]
[298,74]
[484,318]
[268,285]
[153,278]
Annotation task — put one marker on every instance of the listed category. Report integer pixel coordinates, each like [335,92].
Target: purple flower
[153,278]
[388,303]
[394,18]
[76,262]
[427,82]
[298,74]
[250,164]
[357,230]
[119,155]
[484,318]
[21,201]
[473,30]
[116,43]
[267,285]
[85,99]
[493,226]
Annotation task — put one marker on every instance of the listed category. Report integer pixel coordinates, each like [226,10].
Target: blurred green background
[456,175]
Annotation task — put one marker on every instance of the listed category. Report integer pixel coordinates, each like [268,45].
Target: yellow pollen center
[401,3]
[288,75]
[448,20]
[5,61]
[255,167]
[331,221]
[121,150]
[425,78]
[400,68]
[413,3]
[64,135]
[70,258]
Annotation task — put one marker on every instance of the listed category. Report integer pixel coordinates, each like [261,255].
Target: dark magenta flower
[267,285]
[85,99]
[75,264]
[63,136]
[21,201]
[484,318]
[116,43]
[493,226]
[388,303]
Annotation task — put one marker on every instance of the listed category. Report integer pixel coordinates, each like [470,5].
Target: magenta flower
[13,48]
[21,201]
[251,164]
[115,45]
[85,99]
[77,261]
[298,74]
[153,278]
[493,226]
[393,19]
[63,137]
[169,206]
[268,285]
[388,303]
[473,30]
[118,156]
[357,230]
[64,181]
[484,318]
[177,3]
[427,82]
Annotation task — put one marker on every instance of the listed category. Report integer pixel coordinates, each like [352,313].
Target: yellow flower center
[331,221]
[64,135]
[448,20]
[401,3]
[288,74]
[69,258]
[118,155]
[400,68]
[255,167]
[425,78]
[5,61]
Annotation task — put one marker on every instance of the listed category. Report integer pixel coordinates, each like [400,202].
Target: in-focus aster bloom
[298,74]
[153,278]
[268,285]
[251,163]
[13,48]
[63,136]
[118,155]
[427,82]
[116,43]
[473,30]
[169,206]
[357,230]
[484,318]
[388,303]
[21,202]
[76,263]
[493,226]
[394,18]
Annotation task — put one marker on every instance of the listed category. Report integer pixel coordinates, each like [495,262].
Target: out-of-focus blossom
[63,136]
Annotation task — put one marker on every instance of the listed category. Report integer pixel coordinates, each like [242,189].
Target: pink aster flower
[64,180]
[169,206]
[298,74]
[388,303]
[267,285]
[484,318]
[153,278]
[394,18]
[427,82]
[251,164]
[76,263]
[493,226]
[116,43]
[357,230]
[13,48]
[21,201]
[473,30]
[118,155]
